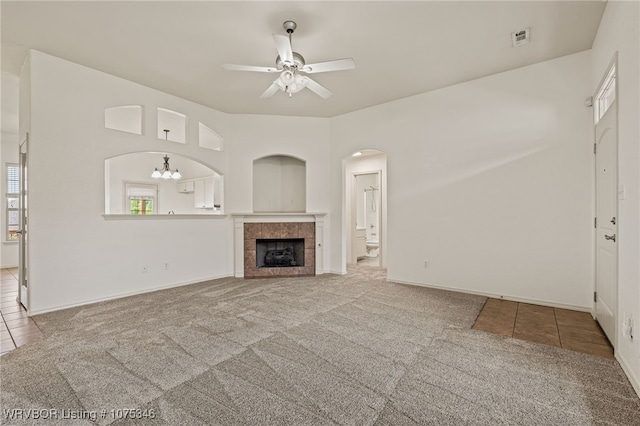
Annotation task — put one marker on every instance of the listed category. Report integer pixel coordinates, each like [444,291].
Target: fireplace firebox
[279,253]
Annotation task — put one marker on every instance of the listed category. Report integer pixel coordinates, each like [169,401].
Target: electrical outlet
[145,269]
[425,264]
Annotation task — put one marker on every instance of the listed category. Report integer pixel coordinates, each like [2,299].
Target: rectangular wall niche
[282,249]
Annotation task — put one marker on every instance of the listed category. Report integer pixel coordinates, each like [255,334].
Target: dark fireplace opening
[280,253]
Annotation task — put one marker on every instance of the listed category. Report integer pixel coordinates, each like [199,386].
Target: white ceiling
[400,48]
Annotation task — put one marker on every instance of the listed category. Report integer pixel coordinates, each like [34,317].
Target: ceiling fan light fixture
[287,77]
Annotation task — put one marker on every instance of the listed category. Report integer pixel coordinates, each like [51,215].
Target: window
[140,198]
[140,205]
[13,203]
[606,95]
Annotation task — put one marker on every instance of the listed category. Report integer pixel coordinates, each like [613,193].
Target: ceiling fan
[292,68]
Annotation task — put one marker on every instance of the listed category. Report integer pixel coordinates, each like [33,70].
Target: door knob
[610,237]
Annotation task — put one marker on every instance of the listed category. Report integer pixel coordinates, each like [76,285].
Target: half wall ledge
[162,216]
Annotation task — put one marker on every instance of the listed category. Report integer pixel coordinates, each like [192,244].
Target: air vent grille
[520,37]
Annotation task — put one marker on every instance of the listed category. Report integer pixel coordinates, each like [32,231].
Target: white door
[607,222]
[24,224]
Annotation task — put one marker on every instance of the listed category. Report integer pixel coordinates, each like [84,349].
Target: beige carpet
[329,350]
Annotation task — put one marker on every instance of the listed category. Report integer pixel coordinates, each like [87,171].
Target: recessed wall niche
[208,138]
[279,185]
[125,118]
[175,123]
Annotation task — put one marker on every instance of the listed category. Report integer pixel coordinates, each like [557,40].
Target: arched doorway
[366,208]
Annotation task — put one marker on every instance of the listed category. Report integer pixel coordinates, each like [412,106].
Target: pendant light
[166,172]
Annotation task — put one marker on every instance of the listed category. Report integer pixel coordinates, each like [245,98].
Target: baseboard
[497,296]
[635,382]
[123,295]
[8,266]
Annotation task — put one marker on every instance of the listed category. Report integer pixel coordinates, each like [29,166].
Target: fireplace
[284,249]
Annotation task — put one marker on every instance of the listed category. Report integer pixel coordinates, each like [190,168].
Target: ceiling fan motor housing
[298,61]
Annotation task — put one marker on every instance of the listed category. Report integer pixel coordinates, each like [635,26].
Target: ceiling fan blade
[337,65]
[270,91]
[284,48]
[317,89]
[233,67]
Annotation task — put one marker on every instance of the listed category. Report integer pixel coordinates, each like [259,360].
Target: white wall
[490,181]
[8,154]
[619,32]
[76,255]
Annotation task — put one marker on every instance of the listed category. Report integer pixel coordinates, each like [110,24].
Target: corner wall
[619,32]
[490,181]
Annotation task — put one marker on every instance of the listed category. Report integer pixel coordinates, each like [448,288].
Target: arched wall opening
[130,188]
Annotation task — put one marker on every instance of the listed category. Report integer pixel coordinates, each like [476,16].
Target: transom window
[606,95]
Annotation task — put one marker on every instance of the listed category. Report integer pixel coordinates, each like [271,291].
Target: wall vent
[520,37]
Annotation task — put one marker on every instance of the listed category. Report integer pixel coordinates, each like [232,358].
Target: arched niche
[130,189]
[279,185]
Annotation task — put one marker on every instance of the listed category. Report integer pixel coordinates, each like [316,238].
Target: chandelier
[166,172]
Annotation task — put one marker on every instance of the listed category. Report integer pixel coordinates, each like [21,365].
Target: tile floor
[16,328]
[369,261]
[572,330]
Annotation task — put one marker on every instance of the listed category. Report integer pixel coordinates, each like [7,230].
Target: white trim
[123,295]
[497,296]
[635,381]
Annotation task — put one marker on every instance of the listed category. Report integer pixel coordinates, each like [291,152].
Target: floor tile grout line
[515,319]
[555,319]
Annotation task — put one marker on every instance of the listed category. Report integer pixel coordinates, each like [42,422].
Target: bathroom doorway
[366,208]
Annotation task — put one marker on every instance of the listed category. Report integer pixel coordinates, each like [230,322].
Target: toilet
[373,247]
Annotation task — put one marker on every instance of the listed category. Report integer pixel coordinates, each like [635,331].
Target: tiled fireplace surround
[251,227]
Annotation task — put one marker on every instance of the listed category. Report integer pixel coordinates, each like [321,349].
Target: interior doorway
[606,191]
[366,208]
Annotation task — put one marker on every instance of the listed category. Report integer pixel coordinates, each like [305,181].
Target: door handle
[610,237]
[19,232]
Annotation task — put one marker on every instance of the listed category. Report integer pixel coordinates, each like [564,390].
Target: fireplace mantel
[239,238]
